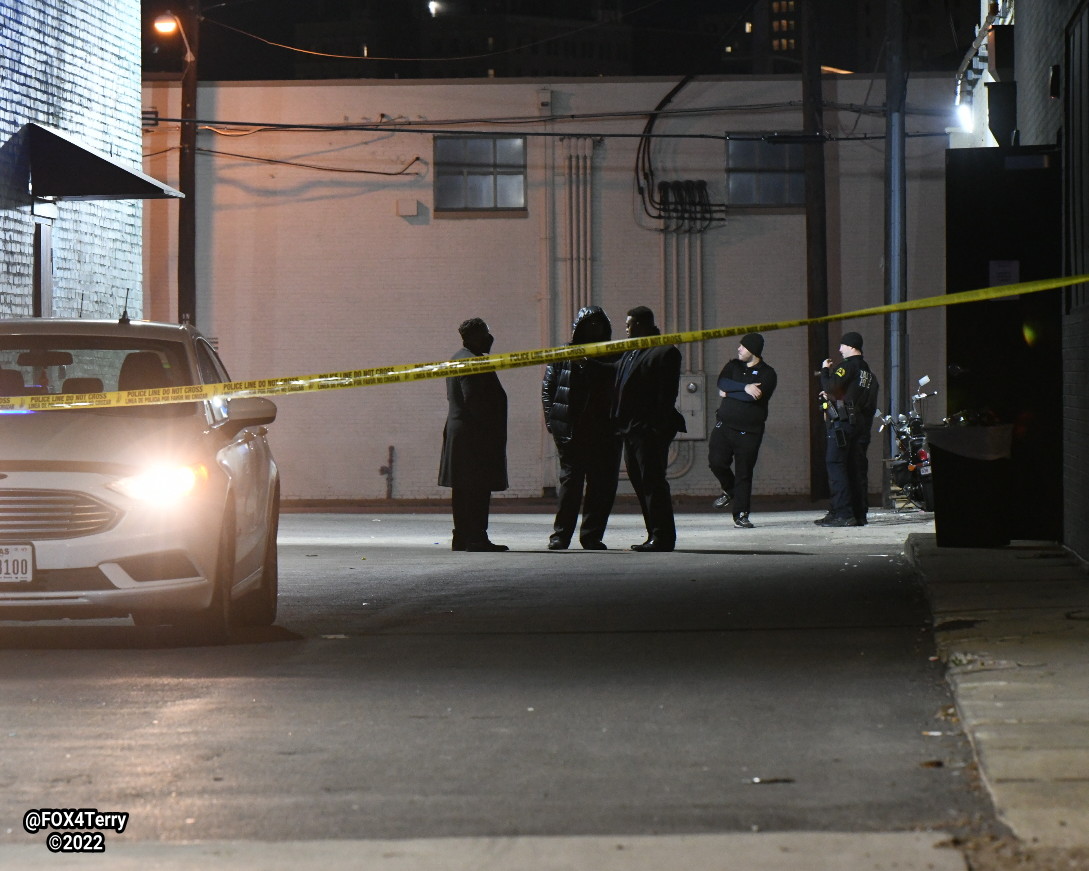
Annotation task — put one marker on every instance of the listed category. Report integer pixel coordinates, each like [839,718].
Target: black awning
[63,168]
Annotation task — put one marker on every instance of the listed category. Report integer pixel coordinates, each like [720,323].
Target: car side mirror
[246,411]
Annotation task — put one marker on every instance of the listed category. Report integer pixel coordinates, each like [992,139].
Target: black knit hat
[753,343]
[852,340]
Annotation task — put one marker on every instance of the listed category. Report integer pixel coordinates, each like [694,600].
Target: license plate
[16,563]
[924,470]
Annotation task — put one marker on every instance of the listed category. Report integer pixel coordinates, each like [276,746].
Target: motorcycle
[909,468]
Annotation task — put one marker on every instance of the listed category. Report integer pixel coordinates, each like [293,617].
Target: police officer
[849,395]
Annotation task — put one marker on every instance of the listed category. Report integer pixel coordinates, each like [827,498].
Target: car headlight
[162,485]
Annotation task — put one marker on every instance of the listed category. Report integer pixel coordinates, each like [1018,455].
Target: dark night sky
[668,33]
[225,54]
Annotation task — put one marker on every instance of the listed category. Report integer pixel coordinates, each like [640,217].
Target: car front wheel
[258,608]
[213,624]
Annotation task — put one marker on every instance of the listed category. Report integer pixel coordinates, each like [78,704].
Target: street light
[187,24]
[168,24]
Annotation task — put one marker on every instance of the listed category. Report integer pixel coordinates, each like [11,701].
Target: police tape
[491,362]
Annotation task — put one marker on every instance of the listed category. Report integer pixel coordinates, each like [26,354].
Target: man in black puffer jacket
[576,395]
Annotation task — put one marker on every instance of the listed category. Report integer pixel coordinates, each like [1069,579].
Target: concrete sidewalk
[1012,626]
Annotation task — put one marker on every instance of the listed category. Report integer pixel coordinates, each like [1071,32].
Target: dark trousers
[848,473]
[646,457]
[728,447]
[592,468]
[470,507]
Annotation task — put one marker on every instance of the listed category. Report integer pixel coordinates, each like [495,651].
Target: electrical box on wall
[692,403]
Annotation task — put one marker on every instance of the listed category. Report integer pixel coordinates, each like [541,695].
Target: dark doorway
[1004,225]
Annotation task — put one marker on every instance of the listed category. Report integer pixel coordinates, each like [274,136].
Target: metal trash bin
[971,466]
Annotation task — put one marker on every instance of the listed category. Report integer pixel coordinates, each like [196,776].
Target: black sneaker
[838,521]
[722,501]
[741,521]
[820,521]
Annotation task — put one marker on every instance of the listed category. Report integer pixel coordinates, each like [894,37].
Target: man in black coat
[474,443]
[645,414]
[576,396]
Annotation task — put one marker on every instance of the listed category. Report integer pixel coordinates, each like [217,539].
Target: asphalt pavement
[1011,624]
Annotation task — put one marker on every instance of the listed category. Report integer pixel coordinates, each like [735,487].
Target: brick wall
[73,65]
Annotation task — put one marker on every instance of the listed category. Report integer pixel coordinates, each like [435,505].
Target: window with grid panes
[483,174]
[761,173]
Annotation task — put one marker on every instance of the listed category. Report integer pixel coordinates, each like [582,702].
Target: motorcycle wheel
[927,487]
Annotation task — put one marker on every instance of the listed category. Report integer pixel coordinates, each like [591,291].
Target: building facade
[71,71]
[1025,87]
[355,224]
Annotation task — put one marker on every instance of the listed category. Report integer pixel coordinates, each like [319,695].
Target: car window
[212,371]
[53,364]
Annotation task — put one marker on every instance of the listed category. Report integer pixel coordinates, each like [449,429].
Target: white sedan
[167,513]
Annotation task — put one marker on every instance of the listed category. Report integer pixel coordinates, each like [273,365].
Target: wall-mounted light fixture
[962,106]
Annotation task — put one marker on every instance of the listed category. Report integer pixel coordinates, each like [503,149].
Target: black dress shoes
[594,545]
[485,547]
[653,545]
[557,543]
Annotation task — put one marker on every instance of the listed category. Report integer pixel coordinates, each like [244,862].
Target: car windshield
[46,364]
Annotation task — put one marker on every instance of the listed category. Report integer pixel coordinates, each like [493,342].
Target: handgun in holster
[832,416]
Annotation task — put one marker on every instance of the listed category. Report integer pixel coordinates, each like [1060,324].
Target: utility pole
[816,236]
[895,209]
[189,20]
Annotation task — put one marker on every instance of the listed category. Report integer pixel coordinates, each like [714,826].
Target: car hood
[112,437]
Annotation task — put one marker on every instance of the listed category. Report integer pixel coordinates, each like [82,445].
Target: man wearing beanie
[745,386]
[851,391]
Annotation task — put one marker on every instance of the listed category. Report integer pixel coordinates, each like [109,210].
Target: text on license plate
[924,470]
[16,563]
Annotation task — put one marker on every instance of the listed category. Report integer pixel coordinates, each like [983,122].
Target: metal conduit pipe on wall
[682,309]
[578,242]
[586,251]
[701,351]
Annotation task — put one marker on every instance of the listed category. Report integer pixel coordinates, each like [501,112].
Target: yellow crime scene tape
[490,362]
